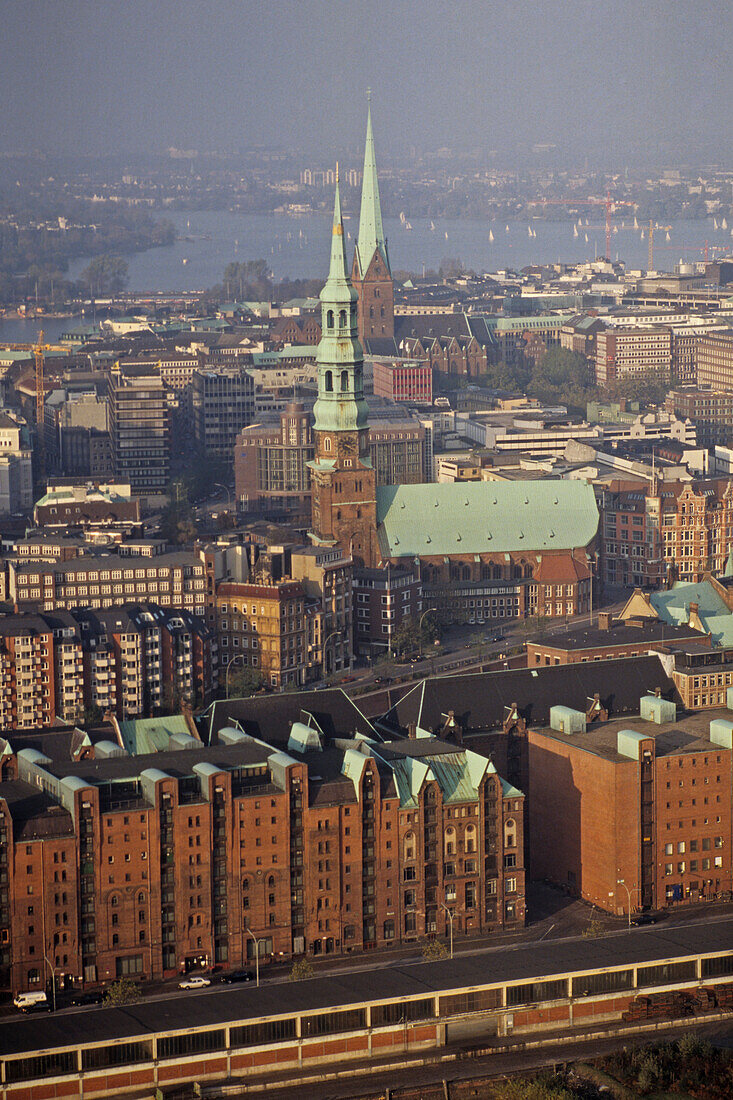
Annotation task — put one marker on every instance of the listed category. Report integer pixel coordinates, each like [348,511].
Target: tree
[122,992]
[302,968]
[562,375]
[434,951]
[105,275]
[412,636]
[243,681]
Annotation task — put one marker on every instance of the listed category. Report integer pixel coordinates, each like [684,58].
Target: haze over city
[617,84]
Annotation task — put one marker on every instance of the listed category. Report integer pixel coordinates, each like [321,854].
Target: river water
[298,247]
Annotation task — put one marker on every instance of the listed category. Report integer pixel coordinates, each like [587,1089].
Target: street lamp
[53,981]
[333,634]
[419,628]
[450,918]
[620,882]
[257,943]
[230,662]
[227,490]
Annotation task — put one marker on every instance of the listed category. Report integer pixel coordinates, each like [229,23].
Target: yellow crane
[652,227]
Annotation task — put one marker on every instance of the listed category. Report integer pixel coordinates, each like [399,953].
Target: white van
[27,1002]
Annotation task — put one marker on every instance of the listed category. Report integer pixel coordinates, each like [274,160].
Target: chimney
[694,609]
[412,731]
[604,620]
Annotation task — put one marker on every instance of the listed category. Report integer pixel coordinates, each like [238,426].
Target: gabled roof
[485,517]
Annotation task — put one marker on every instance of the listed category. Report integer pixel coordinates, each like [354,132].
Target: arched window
[344,381]
[338,513]
[466,572]
[470,838]
[114,901]
[327,444]
[517,571]
[528,570]
[371,311]
[450,841]
[497,572]
[329,319]
[271,880]
[245,884]
[141,898]
[342,318]
[510,834]
[329,381]
[408,845]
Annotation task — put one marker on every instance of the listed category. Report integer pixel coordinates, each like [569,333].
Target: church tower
[371,273]
[342,477]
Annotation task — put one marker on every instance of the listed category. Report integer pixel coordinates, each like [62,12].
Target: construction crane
[38,349]
[652,227]
[609,203]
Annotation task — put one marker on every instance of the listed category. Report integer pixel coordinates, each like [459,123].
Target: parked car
[237,976]
[196,981]
[80,999]
[644,918]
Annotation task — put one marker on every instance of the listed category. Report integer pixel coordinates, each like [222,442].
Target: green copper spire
[338,277]
[371,232]
[340,359]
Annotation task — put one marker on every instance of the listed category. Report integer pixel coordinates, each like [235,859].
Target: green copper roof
[484,517]
[141,736]
[371,231]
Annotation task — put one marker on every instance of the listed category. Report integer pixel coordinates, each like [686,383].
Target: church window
[338,513]
[344,381]
[342,319]
[327,444]
[329,319]
[329,381]
[381,311]
[371,311]
[497,572]
[358,513]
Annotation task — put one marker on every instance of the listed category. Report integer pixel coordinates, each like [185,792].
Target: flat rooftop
[690,734]
[621,634]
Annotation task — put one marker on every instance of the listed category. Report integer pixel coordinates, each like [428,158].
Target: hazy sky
[648,79]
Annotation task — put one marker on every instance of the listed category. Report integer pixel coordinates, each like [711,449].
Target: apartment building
[132,660]
[262,626]
[715,361]
[223,402]
[139,431]
[383,600]
[326,576]
[403,380]
[610,639]
[149,866]
[710,410]
[631,352]
[678,530]
[103,580]
[16,466]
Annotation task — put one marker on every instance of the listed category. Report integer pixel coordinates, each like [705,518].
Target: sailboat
[407,225]
[432,226]
[507,229]
[402,216]
[715,223]
[724,224]
[446,234]
[615,229]
[636,224]
[586,238]
[642,235]
[575,231]
[667,237]
[529,230]
[491,235]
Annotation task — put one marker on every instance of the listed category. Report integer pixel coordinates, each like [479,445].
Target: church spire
[337,272]
[371,232]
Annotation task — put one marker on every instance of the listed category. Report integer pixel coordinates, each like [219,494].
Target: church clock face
[348,445]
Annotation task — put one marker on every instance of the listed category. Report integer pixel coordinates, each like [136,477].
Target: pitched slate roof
[484,517]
